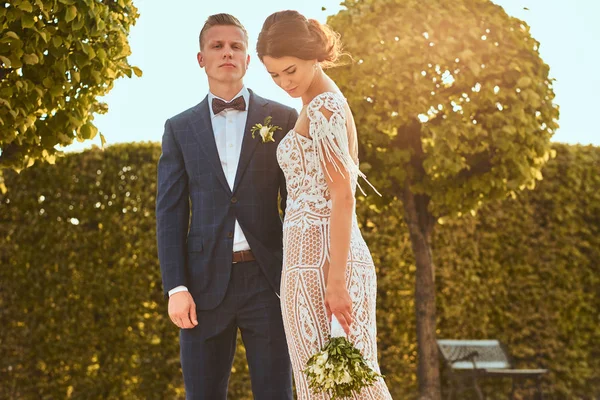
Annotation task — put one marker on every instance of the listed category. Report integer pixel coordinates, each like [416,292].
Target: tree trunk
[420,225]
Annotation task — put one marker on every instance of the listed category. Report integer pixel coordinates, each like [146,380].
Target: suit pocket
[194,244]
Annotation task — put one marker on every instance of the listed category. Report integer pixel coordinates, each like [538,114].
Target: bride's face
[292,74]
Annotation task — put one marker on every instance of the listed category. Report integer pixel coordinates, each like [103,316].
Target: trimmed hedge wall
[82,313]
[525,271]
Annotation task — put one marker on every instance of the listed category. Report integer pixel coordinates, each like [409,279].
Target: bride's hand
[339,303]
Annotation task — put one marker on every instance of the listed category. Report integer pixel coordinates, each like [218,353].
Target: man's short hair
[221,19]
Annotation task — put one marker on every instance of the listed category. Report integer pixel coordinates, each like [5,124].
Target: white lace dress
[306,233]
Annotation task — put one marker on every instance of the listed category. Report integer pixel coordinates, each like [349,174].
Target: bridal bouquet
[339,369]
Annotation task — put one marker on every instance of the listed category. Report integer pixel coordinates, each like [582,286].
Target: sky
[164,44]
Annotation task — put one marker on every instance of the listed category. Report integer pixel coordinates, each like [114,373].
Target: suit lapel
[203,132]
[257,111]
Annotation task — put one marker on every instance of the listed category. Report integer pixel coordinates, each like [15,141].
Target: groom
[219,231]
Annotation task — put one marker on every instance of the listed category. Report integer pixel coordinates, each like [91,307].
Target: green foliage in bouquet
[339,369]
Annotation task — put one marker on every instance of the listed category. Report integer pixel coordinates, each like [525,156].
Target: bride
[327,267]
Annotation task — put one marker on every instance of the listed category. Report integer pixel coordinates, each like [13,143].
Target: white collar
[244,92]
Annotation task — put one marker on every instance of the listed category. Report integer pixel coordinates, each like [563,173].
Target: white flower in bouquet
[339,369]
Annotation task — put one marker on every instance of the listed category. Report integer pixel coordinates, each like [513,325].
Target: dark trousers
[207,350]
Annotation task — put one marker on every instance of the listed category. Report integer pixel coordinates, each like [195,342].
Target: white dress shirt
[228,127]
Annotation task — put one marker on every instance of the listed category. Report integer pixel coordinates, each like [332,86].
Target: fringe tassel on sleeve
[330,137]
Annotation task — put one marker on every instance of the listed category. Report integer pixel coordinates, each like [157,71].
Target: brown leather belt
[242,256]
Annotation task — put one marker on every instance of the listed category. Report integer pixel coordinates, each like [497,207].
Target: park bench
[466,361]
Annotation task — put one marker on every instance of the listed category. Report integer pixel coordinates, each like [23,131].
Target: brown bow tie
[219,105]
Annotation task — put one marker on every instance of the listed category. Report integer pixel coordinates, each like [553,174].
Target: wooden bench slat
[517,371]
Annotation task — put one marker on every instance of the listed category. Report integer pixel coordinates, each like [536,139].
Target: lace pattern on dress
[306,247]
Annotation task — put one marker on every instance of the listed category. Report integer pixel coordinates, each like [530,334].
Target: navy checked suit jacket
[196,210]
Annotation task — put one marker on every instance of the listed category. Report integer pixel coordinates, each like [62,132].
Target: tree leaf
[31,59]
[78,24]
[71,13]
[524,82]
[25,6]
[57,41]
[27,21]
[6,61]
[101,54]
[48,82]
[11,34]
[88,131]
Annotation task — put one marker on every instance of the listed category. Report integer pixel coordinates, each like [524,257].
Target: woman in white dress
[327,267]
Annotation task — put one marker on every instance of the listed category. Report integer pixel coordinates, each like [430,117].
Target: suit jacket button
[230,234]
[233,200]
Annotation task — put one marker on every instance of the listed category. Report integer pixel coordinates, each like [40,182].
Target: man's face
[224,54]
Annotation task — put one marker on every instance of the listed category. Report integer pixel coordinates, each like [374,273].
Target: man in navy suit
[219,231]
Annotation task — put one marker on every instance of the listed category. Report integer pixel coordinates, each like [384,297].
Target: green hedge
[81,306]
[525,271]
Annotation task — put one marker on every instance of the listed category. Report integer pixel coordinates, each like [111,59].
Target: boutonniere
[265,130]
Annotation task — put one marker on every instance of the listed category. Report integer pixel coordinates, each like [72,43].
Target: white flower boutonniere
[265,130]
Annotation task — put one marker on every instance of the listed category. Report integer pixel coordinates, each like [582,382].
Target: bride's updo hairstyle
[289,34]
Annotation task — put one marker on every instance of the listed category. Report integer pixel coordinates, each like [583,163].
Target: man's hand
[182,310]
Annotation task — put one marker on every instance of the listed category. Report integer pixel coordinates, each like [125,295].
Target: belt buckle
[242,256]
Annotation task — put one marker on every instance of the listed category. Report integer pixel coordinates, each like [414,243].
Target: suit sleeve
[172,212]
[292,117]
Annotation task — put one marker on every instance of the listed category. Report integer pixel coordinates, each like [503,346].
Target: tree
[454,108]
[56,58]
